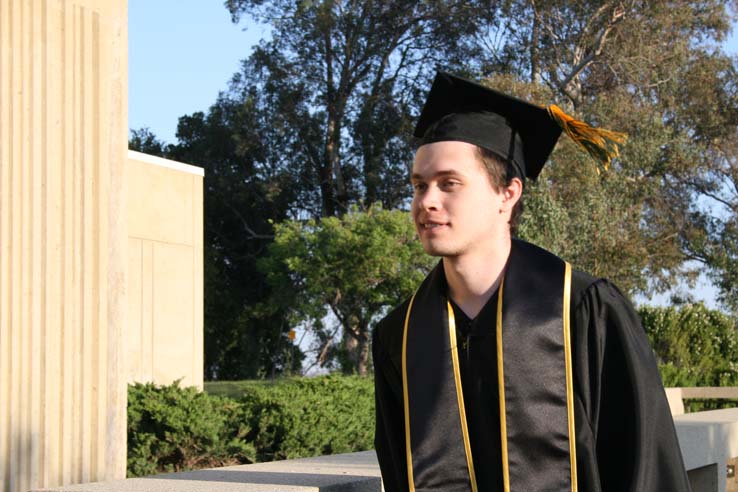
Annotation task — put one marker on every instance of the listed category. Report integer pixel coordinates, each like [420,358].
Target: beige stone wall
[63,240]
[164,340]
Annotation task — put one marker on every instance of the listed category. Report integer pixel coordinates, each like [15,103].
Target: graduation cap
[517,131]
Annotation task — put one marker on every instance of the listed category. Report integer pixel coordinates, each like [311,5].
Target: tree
[353,268]
[653,70]
[342,76]
[144,140]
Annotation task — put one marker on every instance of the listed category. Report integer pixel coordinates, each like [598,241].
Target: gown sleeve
[632,443]
[389,435]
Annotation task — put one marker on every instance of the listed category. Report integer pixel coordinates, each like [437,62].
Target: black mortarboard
[518,132]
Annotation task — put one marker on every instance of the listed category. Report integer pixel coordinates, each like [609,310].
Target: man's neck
[473,279]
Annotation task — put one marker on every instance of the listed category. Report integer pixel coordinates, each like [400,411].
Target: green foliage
[354,267]
[544,221]
[310,416]
[175,429]
[694,346]
[144,140]
[234,422]
[236,389]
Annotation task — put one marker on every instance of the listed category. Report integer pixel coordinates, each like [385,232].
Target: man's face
[455,208]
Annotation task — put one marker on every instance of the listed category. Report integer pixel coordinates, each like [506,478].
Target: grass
[236,389]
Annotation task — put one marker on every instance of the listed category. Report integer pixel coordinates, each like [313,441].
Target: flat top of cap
[450,94]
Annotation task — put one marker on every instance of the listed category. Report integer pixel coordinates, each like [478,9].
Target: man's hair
[501,174]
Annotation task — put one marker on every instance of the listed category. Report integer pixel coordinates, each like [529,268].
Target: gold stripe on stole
[501,393]
[460,394]
[569,377]
[408,451]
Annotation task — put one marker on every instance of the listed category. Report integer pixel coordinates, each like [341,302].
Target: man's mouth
[431,225]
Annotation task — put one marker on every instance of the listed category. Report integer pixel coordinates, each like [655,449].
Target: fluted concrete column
[63,237]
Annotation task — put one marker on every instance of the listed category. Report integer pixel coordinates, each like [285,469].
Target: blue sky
[182,53]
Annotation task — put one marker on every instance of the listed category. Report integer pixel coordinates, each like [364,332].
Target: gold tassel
[601,144]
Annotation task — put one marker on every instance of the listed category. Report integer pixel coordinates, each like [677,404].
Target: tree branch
[252,234]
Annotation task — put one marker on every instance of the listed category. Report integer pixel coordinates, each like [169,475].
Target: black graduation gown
[625,437]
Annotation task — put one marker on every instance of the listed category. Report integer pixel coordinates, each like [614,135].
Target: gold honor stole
[534,381]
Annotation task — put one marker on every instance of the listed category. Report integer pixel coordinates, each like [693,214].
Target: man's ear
[511,194]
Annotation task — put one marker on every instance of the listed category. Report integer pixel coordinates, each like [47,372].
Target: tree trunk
[535,71]
[327,196]
[362,351]
[356,345]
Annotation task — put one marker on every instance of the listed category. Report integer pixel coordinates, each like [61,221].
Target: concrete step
[352,472]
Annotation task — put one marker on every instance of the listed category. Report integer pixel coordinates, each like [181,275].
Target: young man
[508,371]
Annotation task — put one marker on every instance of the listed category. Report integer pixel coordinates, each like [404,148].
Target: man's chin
[439,251]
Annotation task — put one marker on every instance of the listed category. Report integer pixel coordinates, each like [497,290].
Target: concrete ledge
[160,161]
[353,472]
[676,396]
[718,392]
[706,438]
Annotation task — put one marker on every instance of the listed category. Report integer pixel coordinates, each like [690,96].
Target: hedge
[174,429]
[301,417]
[694,345]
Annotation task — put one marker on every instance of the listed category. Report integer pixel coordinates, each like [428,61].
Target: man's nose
[430,200]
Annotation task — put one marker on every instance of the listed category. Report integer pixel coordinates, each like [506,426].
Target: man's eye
[450,184]
[419,186]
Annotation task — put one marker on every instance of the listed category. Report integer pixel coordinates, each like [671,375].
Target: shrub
[311,416]
[694,346]
[175,429]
